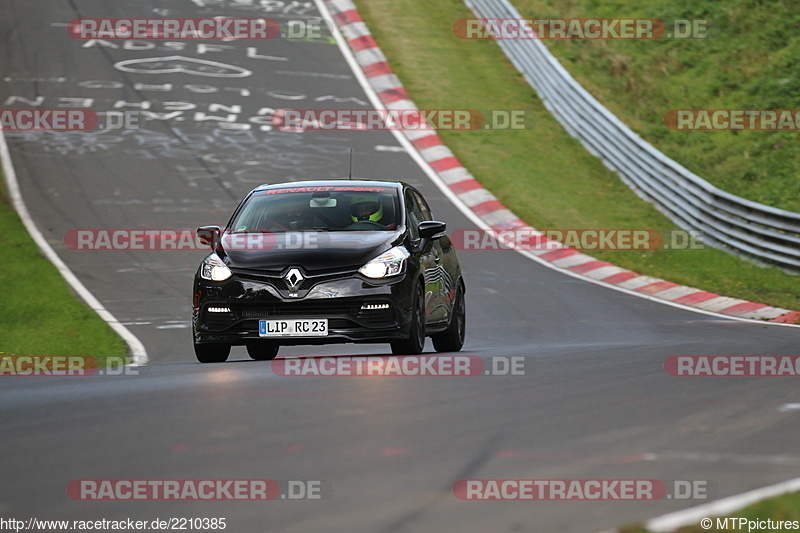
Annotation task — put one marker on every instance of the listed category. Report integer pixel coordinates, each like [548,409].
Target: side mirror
[209,236]
[432,229]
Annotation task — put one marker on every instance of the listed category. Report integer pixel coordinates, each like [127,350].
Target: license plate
[293,327]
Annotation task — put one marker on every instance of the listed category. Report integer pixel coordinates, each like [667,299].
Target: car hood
[314,251]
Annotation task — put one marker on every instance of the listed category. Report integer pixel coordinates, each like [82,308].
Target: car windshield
[338,208]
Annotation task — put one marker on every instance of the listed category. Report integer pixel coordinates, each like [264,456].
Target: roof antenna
[350,176]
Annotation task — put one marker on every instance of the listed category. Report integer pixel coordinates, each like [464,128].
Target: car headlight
[389,263]
[214,269]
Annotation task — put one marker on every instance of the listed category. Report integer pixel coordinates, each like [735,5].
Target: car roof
[354,183]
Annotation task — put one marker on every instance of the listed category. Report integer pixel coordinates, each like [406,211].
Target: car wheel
[452,339]
[212,353]
[262,351]
[415,342]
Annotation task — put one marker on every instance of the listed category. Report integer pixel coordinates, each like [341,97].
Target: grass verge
[750,60]
[545,176]
[786,508]
[39,314]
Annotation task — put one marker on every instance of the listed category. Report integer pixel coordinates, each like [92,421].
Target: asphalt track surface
[594,403]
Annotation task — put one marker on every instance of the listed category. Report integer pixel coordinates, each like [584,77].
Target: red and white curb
[496,216]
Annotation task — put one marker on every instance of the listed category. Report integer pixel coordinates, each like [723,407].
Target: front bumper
[357,310]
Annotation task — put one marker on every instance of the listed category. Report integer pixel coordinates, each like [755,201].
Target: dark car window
[318,209]
[423,207]
[415,214]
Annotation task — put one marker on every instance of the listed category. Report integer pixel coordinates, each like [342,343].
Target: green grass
[39,314]
[751,60]
[786,508]
[545,176]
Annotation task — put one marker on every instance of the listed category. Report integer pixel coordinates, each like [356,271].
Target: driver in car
[290,218]
[367,209]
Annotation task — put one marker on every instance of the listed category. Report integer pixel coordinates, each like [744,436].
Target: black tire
[415,342]
[263,350]
[212,353]
[452,339]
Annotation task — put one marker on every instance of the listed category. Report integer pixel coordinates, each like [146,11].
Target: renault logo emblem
[293,279]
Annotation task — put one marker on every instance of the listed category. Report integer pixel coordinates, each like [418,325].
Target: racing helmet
[363,208]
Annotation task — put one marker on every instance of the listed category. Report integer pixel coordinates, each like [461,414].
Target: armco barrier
[729,222]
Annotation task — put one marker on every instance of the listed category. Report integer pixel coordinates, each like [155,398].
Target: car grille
[277,281]
[297,309]
[340,314]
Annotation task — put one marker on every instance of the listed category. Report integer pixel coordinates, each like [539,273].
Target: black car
[319,262]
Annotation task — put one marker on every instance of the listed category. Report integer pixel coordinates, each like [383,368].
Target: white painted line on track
[725,506]
[138,352]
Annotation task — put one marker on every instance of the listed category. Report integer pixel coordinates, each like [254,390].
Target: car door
[449,272]
[436,285]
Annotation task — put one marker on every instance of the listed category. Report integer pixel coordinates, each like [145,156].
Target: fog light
[219,309]
[373,307]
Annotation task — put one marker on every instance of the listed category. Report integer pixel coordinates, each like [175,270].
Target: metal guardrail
[729,222]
